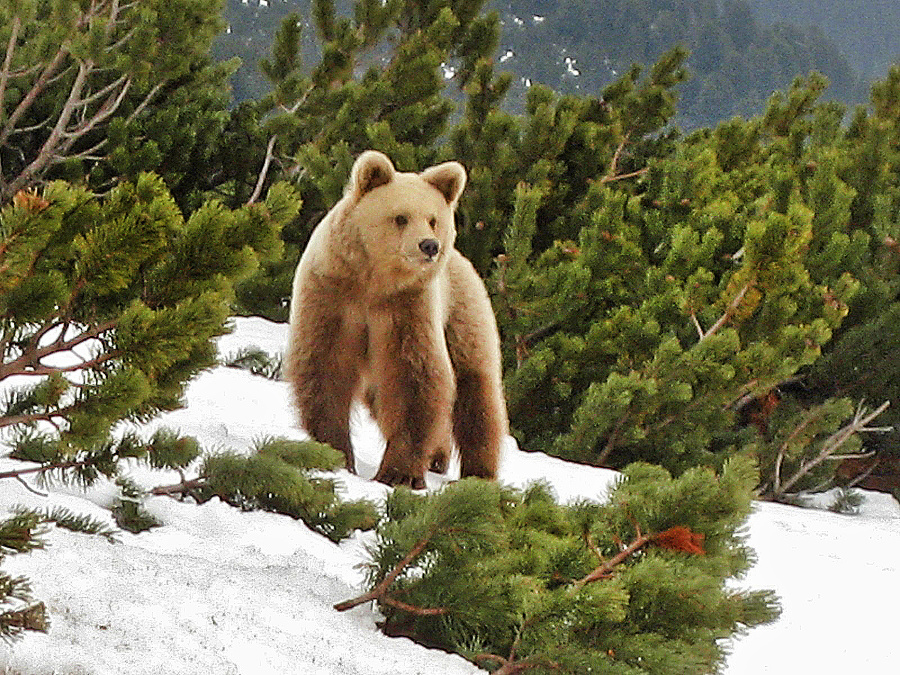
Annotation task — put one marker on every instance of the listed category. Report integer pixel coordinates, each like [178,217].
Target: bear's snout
[429,247]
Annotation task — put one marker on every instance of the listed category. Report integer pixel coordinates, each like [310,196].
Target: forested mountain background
[741,51]
[866,32]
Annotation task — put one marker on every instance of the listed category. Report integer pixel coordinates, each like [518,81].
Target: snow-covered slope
[217,590]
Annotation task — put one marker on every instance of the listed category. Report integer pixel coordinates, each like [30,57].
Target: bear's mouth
[421,259]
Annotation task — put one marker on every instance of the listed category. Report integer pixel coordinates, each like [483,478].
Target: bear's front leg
[323,362]
[415,393]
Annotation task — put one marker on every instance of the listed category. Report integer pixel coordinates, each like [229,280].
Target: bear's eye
[433,222]
[401,220]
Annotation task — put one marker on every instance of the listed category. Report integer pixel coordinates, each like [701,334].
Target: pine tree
[517,583]
[657,318]
[103,90]
[108,306]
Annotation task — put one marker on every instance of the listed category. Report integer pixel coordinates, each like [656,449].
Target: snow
[217,590]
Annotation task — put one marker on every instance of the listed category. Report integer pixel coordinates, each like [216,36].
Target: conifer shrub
[19,611]
[108,307]
[642,582]
[680,314]
[282,476]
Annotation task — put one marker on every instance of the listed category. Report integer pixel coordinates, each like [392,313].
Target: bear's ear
[371,170]
[449,178]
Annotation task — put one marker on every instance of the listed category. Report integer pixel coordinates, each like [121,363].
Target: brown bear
[386,311]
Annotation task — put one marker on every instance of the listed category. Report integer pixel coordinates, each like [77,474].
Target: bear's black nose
[429,247]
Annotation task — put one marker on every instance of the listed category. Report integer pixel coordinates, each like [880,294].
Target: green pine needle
[256,361]
[69,520]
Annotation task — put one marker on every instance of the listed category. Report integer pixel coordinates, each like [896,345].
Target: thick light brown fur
[386,311]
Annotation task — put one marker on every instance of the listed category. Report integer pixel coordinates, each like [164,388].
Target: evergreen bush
[514,582]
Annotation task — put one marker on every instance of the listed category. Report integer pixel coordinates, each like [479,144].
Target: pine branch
[29,98]
[729,312]
[29,361]
[68,520]
[380,590]
[257,190]
[33,617]
[7,61]
[678,538]
[54,466]
[184,487]
[835,441]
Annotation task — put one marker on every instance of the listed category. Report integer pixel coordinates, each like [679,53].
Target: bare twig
[603,570]
[32,94]
[100,93]
[729,311]
[33,127]
[512,667]
[109,107]
[413,609]
[782,451]
[697,325]
[179,488]
[81,365]
[863,475]
[835,441]
[265,170]
[17,473]
[592,545]
[7,61]
[29,361]
[612,173]
[29,488]
[623,176]
[144,103]
[28,418]
[45,154]
[614,164]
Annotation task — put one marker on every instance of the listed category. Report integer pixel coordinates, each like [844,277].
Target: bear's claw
[395,477]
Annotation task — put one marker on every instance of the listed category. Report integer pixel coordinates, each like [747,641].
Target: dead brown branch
[18,473]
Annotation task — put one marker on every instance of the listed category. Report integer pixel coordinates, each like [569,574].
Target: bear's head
[404,220]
